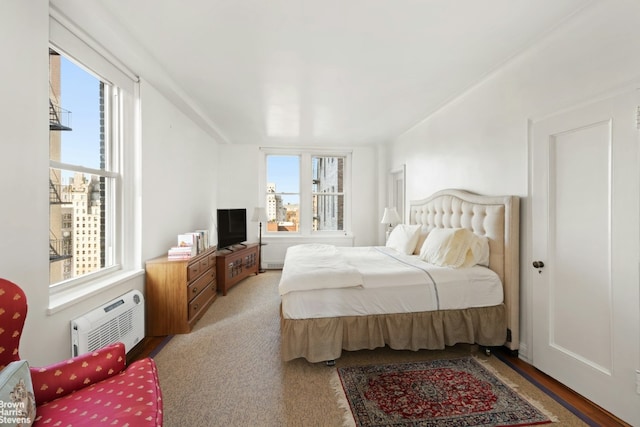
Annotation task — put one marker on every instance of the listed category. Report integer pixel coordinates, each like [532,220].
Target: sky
[80,94]
[284,171]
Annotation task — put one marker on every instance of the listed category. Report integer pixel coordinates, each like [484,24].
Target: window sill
[69,297]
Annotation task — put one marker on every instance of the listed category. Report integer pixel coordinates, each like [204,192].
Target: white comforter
[317,266]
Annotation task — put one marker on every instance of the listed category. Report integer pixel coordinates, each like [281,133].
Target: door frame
[398,190]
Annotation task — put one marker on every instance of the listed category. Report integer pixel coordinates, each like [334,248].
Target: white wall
[479,141]
[24,163]
[177,196]
[366,210]
[237,181]
[179,174]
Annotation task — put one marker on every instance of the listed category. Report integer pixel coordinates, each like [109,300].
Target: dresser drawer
[193,271]
[204,263]
[199,302]
[199,284]
[196,268]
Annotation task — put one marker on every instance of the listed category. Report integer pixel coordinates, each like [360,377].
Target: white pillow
[478,253]
[447,247]
[422,236]
[403,238]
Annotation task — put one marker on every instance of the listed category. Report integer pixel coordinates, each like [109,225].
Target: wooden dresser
[236,264]
[178,292]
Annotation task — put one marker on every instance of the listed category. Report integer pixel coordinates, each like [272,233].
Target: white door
[585,235]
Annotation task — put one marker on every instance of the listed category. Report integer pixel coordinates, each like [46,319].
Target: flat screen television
[232,227]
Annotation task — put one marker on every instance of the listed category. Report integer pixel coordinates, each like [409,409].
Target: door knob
[538,264]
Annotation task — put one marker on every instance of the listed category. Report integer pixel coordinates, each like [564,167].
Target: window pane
[283,193]
[328,212]
[328,193]
[328,174]
[283,174]
[78,243]
[78,202]
[82,96]
[283,216]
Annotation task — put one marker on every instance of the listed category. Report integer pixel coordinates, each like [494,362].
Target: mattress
[391,283]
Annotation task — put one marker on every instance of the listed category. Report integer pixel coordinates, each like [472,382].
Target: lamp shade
[259,215]
[390,216]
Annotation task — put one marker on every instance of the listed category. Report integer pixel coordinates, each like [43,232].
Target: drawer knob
[195,290]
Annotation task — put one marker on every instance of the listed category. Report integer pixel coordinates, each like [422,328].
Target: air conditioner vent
[119,320]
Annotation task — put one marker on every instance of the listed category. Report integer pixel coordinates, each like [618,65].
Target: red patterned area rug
[455,392]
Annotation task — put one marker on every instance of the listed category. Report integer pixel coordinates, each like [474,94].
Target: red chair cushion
[54,381]
[130,398]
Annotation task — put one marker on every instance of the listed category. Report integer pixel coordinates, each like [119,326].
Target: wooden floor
[144,348]
[596,414]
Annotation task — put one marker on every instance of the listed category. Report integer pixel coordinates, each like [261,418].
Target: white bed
[368,297]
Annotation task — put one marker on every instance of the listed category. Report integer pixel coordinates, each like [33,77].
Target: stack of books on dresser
[190,244]
[180,252]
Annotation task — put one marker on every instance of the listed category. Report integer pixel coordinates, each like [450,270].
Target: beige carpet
[228,372]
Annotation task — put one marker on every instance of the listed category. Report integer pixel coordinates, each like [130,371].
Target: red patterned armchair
[88,390]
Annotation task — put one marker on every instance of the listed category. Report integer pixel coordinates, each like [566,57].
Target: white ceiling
[330,72]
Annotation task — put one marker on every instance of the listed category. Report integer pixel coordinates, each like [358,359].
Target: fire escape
[59,118]
[60,247]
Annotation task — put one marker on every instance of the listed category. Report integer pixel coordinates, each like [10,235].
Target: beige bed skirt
[319,340]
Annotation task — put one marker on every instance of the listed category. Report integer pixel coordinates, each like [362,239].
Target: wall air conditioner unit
[119,320]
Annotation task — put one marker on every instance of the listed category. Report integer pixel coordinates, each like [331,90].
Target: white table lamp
[390,217]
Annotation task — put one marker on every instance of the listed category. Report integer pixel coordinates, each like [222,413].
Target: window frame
[306,191]
[122,167]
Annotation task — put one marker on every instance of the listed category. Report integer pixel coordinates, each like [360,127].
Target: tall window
[92,162]
[305,192]
[82,179]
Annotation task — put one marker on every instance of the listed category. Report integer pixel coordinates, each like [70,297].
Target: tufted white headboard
[498,218]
